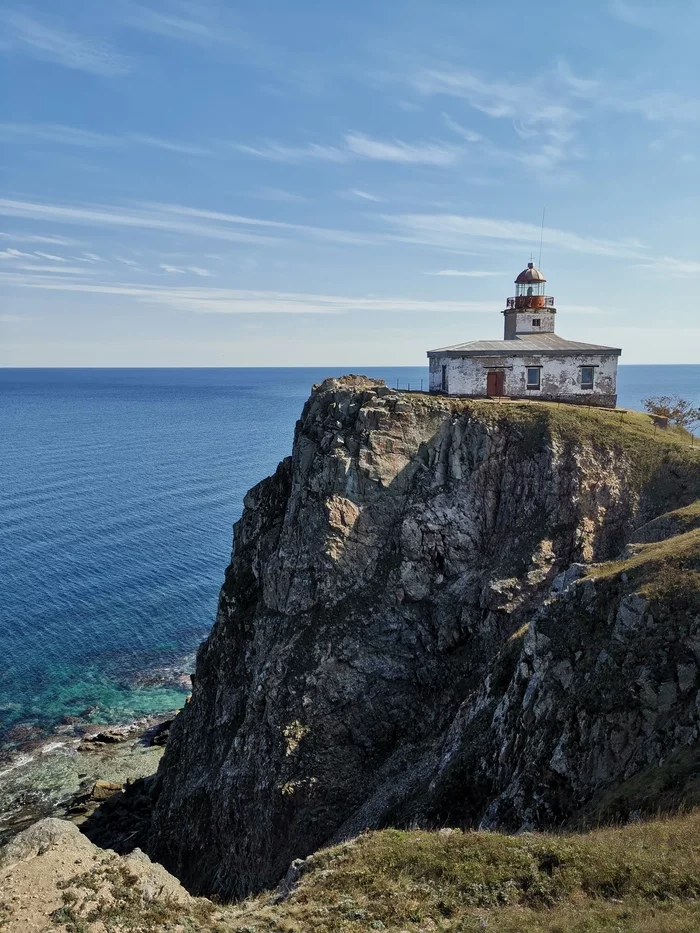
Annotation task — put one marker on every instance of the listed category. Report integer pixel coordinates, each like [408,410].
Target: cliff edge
[443,611]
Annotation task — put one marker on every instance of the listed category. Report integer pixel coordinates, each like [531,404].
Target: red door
[495,383]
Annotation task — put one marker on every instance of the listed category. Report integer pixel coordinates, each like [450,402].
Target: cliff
[439,611]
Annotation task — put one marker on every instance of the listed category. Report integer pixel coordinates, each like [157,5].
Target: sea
[118,490]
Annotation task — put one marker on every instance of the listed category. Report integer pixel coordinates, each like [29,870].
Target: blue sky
[214,183]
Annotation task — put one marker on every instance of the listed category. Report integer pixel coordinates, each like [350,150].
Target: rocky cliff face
[419,622]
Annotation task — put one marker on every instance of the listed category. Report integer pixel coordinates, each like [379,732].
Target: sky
[219,183]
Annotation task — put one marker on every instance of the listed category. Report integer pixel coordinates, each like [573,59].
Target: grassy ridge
[641,877]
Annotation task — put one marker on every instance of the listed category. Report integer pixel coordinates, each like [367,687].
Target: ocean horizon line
[297,368]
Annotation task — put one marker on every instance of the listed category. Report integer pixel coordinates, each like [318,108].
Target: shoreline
[50,767]
[26,735]
[58,775]
[68,765]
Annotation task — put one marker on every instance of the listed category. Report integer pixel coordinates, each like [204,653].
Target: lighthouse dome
[530,275]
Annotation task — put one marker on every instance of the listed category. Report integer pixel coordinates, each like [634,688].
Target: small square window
[533,377]
[587,376]
[535,322]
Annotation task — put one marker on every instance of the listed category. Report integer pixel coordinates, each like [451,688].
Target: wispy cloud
[55,133]
[451,231]
[204,300]
[117,217]
[57,270]
[469,274]
[179,219]
[34,238]
[657,106]
[543,154]
[323,233]
[524,102]
[364,195]
[199,22]
[428,153]
[14,254]
[52,257]
[183,270]
[356,146]
[278,152]
[74,136]
[654,105]
[31,36]
[546,109]
[277,194]
[157,143]
[677,268]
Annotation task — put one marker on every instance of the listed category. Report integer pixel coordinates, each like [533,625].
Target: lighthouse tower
[530,311]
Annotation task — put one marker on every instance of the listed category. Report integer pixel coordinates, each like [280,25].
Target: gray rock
[39,838]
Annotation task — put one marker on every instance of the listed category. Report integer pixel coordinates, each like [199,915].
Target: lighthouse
[530,311]
[532,361]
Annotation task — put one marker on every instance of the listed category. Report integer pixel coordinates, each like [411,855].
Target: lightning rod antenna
[539,261]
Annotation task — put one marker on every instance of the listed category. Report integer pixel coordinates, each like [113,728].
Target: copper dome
[530,275]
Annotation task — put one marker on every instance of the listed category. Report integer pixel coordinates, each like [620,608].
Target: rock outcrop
[51,875]
[419,622]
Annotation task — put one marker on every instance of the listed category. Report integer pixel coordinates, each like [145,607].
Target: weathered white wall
[523,323]
[560,376]
[520,322]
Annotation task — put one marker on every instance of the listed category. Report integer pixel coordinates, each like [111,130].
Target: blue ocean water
[118,489]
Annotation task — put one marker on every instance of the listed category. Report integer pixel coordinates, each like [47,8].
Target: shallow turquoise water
[118,489]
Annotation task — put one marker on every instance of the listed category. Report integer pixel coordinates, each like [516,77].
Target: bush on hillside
[679,411]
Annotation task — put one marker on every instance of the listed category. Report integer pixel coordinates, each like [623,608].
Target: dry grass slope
[640,878]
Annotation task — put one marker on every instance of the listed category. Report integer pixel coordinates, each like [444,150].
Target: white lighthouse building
[531,361]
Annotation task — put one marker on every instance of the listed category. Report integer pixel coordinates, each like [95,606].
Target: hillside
[641,878]
[439,612]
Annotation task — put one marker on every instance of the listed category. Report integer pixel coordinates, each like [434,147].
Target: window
[587,375]
[444,378]
[535,322]
[533,377]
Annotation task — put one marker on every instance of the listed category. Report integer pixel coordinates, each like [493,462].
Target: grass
[662,569]
[109,899]
[639,878]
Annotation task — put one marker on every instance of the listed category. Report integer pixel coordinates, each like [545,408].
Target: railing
[530,301]
[415,385]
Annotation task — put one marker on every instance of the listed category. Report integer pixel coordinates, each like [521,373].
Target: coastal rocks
[54,777]
[122,820]
[52,866]
[412,628]
[103,790]
[158,735]
[94,737]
